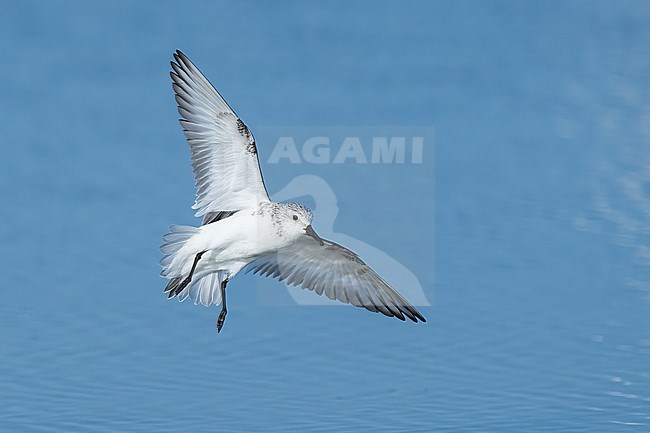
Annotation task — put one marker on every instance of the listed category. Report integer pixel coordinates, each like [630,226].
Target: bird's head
[297,221]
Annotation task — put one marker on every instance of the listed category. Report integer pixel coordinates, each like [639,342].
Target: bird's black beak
[309,230]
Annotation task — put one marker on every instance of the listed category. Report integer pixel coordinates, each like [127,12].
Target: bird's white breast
[243,236]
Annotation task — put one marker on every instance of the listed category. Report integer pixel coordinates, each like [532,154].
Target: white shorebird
[243,228]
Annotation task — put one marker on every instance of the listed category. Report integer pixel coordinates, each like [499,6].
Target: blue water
[527,224]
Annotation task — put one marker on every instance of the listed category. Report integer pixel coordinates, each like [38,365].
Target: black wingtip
[182,59]
[178,61]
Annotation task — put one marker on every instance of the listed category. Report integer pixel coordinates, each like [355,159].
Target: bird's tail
[205,290]
[174,240]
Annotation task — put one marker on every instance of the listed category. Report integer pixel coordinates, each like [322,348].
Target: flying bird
[242,228]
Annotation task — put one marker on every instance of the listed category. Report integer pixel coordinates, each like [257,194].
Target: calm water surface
[537,266]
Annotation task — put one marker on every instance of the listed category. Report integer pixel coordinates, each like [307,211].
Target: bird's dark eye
[295,217]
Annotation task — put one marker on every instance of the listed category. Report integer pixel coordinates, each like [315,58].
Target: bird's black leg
[224,311]
[187,280]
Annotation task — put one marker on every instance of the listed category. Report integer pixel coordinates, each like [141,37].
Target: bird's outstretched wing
[224,155]
[338,273]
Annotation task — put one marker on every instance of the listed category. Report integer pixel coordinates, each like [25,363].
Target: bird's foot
[221,319]
[183,284]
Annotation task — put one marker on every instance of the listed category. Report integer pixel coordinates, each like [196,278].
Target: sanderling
[242,228]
